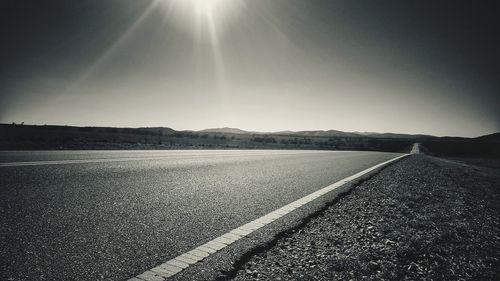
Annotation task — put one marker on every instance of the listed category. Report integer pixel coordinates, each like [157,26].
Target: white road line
[126,159]
[165,157]
[78,161]
[179,263]
[105,160]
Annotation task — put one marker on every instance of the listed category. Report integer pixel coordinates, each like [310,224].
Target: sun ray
[206,21]
[87,72]
[194,15]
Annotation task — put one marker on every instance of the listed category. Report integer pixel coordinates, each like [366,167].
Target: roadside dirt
[422,218]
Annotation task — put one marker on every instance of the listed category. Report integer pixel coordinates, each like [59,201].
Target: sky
[429,67]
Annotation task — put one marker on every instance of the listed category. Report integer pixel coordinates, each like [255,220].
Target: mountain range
[315,133]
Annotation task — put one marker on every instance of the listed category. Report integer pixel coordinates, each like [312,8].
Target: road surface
[92,215]
[415,149]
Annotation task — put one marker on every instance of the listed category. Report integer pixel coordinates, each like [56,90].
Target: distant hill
[25,137]
[225,130]
[393,135]
[490,137]
[316,133]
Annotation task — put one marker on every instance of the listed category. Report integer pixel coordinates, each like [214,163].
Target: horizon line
[246,131]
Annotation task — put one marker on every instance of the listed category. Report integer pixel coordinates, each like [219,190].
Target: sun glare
[202,14]
[206,7]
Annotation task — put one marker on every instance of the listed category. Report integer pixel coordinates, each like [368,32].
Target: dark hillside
[14,137]
[485,146]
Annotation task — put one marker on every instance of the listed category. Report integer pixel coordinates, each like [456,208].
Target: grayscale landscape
[153,140]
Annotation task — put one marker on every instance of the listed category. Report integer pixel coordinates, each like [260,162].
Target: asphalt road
[118,213]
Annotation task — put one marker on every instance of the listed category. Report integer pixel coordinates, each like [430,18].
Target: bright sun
[206,7]
[202,14]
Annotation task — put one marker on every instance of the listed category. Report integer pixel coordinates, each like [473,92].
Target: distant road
[91,215]
[415,149]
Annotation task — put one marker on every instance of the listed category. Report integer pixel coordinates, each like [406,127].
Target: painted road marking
[165,157]
[179,263]
[84,161]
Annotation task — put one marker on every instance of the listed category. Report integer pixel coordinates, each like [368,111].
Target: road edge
[185,261]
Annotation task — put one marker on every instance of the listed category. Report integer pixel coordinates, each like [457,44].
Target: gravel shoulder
[422,218]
